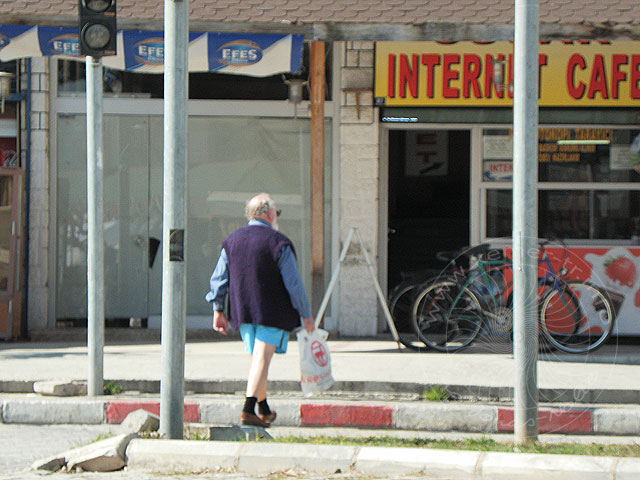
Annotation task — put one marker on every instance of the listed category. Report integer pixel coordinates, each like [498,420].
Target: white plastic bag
[315,361]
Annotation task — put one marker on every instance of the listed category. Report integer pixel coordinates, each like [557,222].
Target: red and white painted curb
[420,416]
[417,416]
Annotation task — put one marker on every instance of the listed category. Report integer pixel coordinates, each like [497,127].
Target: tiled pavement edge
[427,416]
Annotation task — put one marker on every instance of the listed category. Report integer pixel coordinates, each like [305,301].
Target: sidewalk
[377,386]
[481,372]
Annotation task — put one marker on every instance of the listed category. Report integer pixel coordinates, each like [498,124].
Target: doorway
[429,195]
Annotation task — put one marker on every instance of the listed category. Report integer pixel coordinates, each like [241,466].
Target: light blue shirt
[288,266]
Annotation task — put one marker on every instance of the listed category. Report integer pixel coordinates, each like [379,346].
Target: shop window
[583,159]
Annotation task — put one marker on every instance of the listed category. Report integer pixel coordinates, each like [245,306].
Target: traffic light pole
[525,221]
[95,243]
[174,284]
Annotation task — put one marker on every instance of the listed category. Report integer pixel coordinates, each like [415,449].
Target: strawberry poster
[616,270]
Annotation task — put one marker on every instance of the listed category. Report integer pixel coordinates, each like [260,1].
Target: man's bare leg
[260,361]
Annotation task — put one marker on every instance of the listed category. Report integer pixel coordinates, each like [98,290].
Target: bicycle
[402,295]
[449,312]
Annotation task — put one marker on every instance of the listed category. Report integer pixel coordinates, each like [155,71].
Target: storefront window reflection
[572,214]
[586,156]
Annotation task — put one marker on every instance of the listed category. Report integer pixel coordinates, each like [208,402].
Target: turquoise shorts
[271,335]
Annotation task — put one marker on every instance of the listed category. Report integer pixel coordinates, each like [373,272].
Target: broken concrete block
[225,433]
[103,456]
[53,464]
[140,421]
[60,388]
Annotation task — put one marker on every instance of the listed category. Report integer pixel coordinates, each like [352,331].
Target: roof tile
[622,12]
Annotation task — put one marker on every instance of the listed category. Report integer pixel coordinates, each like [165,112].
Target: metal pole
[525,220]
[95,227]
[174,284]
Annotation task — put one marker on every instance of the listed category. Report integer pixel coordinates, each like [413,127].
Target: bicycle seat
[475,251]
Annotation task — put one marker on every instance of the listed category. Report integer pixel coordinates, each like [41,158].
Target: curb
[175,455]
[458,392]
[451,416]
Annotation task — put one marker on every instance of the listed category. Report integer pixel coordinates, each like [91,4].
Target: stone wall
[359,145]
[39,189]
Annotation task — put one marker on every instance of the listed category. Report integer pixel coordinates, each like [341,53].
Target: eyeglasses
[278,212]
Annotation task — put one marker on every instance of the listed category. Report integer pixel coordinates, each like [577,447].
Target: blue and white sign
[257,55]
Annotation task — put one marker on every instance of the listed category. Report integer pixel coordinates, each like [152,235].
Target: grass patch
[435,393]
[112,388]
[482,444]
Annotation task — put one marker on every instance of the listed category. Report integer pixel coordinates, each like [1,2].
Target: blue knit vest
[256,291]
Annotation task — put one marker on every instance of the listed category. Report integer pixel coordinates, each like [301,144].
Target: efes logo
[239,53]
[150,51]
[66,44]
[4,41]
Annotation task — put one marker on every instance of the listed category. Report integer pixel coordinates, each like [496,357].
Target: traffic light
[97,27]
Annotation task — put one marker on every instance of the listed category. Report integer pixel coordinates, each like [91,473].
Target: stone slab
[445,417]
[140,421]
[104,456]
[616,421]
[436,463]
[225,433]
[521,466]
[60,389]
[181,455]
[271,457]
[53,411]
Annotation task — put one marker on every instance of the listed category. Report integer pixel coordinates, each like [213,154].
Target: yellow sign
[571,74]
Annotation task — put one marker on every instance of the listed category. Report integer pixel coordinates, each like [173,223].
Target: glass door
[126,217]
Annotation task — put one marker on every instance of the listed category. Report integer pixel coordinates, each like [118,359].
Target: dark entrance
[429,175]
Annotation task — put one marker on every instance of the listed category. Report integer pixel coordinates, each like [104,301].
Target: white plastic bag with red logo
[315,361]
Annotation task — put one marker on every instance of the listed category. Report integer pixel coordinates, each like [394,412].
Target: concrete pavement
[377,386]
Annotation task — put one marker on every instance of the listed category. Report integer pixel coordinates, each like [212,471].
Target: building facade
[417,167]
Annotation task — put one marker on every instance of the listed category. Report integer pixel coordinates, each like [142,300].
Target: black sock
[263,407]
[250,405]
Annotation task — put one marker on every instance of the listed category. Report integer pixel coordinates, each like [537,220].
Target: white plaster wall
[359,148]
[39,194]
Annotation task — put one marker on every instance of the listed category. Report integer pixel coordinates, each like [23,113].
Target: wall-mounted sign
[571,74]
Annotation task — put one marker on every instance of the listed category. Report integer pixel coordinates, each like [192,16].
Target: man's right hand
[309,324]
[220,322]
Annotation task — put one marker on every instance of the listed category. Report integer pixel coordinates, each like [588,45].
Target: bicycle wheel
[400,303]
[576,317]
[446,318]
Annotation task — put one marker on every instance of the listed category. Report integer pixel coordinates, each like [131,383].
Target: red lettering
[471,69]
[430,61]
[542,62]
[448,91]
[408,76]
[391,77]
[489,86]
[635,76]
[598,81]
[576,60]
[616,75]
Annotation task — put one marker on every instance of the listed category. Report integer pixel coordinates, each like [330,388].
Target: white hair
[259,206]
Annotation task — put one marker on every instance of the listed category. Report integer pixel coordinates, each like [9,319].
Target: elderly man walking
[258,269]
